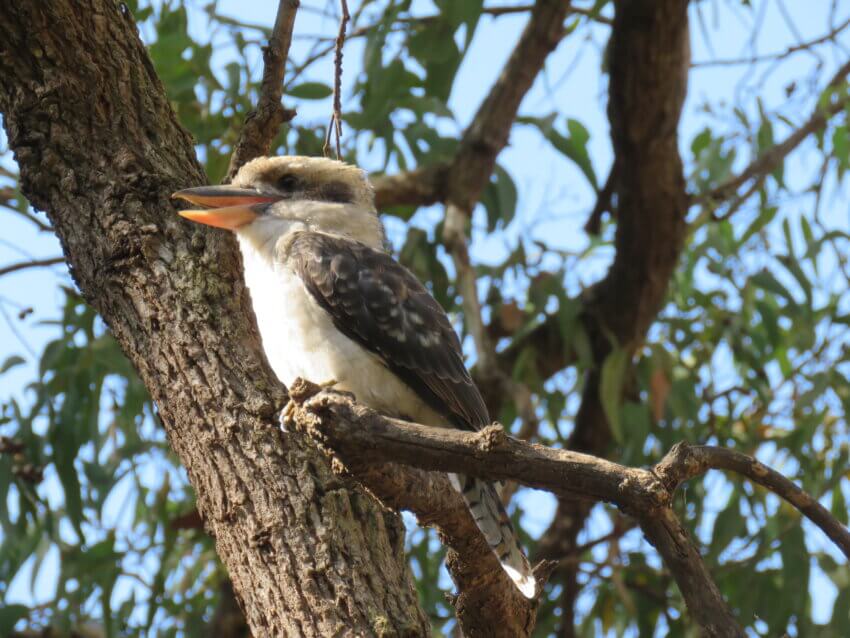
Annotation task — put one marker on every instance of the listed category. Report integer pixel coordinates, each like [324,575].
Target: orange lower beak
[229,217]
[229,207]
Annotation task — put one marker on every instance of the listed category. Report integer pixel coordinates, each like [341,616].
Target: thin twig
[618,532]
[488,367]
[497,12]
[765,163]
[17,333]
[31,263]
[779,55]
[9,194]
[335,124]
[263,123]
[684,462]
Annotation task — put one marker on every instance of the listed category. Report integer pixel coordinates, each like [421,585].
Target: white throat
[300,339]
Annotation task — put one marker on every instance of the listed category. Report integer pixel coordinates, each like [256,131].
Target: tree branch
[33,263]
[779,55]
[422,186]
[604,203]
[461,180]
[359,436]
[490,606]
[488,132]
[262,124]
[361,439]
[455,240]
[682,557]
[765,163]
[683,462]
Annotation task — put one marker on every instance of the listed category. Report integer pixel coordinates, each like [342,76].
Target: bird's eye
[287,183]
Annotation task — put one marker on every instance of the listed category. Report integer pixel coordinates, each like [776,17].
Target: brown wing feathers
[378,303]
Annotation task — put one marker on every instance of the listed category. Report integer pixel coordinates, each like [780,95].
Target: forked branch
[362,441]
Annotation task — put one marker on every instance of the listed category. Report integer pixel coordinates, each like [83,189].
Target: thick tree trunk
[100,150]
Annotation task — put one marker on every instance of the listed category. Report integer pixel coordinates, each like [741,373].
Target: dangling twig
[335,125]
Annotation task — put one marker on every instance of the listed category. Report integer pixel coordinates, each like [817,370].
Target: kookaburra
[331,304]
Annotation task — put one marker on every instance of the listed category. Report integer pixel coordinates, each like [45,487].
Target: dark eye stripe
[336,192]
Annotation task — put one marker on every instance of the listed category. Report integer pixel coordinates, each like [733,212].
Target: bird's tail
[492,519]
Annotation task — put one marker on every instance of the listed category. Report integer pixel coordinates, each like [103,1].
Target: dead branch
[32,263]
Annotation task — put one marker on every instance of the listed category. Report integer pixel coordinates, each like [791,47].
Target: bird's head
[272,196]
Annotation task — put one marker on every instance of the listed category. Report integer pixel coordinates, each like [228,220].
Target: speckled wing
[378,303]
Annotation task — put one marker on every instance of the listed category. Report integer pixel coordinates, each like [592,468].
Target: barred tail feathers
[490,517]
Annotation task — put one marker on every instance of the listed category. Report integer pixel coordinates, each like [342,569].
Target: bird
[333,306]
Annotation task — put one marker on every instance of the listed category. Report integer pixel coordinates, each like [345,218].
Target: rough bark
[100,150]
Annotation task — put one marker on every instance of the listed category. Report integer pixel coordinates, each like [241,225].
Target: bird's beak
[226,206]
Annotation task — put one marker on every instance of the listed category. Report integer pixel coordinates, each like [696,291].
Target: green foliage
[750,350]
[611,389]
[88,438]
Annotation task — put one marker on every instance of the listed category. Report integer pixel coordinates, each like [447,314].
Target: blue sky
[554,198]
